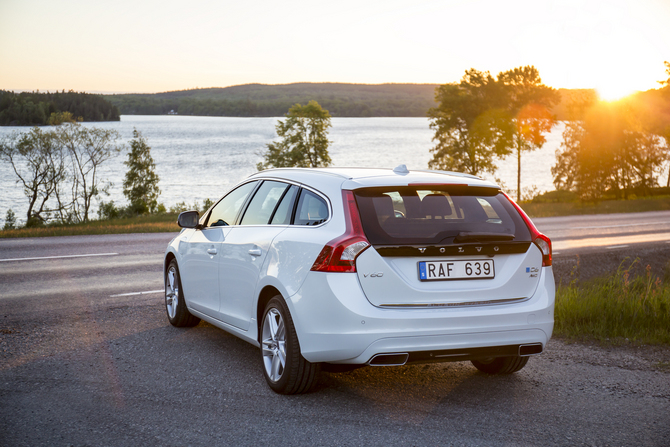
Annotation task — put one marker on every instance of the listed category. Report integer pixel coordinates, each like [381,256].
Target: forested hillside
[341,100]
[35,108]
[352,100]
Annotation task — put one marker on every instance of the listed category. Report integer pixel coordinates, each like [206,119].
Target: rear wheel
[286,370]
[501,365]
[175,306]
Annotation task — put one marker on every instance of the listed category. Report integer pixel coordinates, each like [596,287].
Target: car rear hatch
[444,246]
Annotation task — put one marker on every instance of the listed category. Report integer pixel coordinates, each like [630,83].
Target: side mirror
[188,219]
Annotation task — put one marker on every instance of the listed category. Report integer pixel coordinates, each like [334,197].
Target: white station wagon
[338,268]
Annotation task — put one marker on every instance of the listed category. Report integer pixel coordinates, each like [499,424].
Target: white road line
[58,257]
[611,247]
[619,226]
[610,241]
[137,293]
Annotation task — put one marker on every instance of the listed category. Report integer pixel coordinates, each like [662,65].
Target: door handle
[211,251]
[255,252]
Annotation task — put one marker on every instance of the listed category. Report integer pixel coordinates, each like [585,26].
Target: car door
[244,251]
[200,262]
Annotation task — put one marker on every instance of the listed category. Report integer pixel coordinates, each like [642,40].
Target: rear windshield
[438,215]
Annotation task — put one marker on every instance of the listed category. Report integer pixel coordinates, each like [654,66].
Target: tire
[285,369]
[175,305]
[501,365]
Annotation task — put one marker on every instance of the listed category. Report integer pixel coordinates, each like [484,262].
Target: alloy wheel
[274,344]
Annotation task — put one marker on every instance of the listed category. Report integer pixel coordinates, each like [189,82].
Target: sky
[138,46]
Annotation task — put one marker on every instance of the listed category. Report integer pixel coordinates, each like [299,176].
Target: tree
[304,139]
[609,148]
[529,103]
[10,220]
[666,83]
[472,126]
[664,129]
[140,185]
[58,118]
[484,118]
[88,148]
[39,161]
[58,169]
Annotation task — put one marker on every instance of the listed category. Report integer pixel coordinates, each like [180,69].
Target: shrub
[619,306]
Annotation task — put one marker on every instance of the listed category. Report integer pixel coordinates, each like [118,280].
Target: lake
[202,157]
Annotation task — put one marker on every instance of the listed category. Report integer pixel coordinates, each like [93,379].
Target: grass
[167,222]
[616,308]
[154,223]
[550,209]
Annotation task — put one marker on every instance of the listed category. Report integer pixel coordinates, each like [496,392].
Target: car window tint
[283,214]
[312,209]
[414,215]
[225,212]
[263,204]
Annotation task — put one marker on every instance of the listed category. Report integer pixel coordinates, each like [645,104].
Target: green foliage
[472,127]
[39,161]
[140,185]
[529,103]
[58,169]
[556,196]
[352,100]
[571,205]
[620,306]
[88,148]
[304,139]
[147,223]
[10,220]
[483,119]
[666,82]
[58,118]
[183,206]
[35,108]
[109,210]
[609,147]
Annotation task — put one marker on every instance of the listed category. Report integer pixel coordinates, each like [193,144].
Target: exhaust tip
[532,349]
[394,359]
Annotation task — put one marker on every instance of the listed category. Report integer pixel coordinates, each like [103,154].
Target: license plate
[444,270]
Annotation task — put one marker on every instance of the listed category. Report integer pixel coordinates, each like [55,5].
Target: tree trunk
[518,174]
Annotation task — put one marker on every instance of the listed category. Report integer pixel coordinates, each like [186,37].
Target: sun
[614,91]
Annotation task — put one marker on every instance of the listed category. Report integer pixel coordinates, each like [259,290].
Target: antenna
[401,170]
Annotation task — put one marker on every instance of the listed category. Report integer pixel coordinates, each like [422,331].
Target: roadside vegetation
[149,223]
[566,203]
[620,308]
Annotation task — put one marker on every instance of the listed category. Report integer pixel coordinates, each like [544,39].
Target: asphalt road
[87,357]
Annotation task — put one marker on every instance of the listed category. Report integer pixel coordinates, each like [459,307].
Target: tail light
[339,255]
[539,239]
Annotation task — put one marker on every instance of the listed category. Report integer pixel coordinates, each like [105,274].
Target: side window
[225,212]
[312,209]
[283,214]
[263,204]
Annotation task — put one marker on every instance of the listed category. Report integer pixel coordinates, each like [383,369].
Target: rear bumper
[336,323]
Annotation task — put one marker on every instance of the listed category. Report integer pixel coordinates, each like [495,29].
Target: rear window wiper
[467,236]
